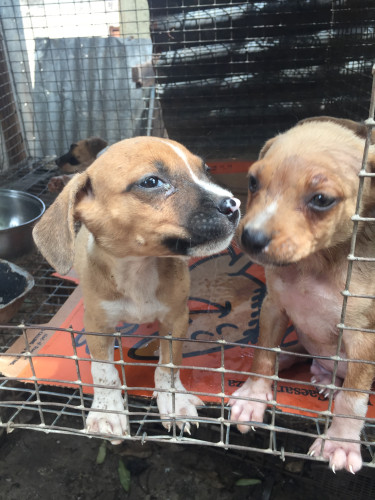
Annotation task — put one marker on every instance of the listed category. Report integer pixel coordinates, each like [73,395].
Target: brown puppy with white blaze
[302,194]
[140,223]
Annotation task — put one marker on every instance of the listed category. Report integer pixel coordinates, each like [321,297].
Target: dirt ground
[34,465]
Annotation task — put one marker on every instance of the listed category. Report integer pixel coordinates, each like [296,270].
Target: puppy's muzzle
[209,229]
[213,221]
[217,220]
[254,241]
[67,158]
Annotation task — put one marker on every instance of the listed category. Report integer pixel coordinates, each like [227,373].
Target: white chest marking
[137,281]
[208,186]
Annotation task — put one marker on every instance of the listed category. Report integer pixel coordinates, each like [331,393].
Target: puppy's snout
[63,159]
[254,241]
[228,206]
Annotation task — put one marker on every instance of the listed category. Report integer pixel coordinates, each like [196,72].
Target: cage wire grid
[213,37]
[51,410]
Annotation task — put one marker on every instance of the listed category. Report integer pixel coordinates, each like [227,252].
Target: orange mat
[227,291]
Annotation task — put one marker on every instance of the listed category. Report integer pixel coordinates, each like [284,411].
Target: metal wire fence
[39,406]
[215,49]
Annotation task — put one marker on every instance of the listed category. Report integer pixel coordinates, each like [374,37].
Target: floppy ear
[266,147]
[54,234]
[95,145]
[358,128]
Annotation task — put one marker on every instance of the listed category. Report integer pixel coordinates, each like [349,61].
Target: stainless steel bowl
[19,212]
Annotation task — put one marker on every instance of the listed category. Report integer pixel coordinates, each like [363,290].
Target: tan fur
[85,152]
[127,271]
[306,257]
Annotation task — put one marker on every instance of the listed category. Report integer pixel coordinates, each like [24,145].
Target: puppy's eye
[321,202]
[253,184]
[151,182]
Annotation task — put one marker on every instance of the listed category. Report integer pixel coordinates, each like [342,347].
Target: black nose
[227,206]
[254,241]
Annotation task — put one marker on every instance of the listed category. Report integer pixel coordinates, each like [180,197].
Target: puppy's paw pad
[57,184]
[248,411]
[107,423]
[184,406]
[340,454]
[249,403]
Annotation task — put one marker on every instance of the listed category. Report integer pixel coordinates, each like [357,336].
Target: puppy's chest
[136,284]
[312,304]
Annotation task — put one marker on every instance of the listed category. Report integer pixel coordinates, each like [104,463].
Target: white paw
[184,406]
[105,374]
[247,411]
[174,406]
[341,454]
[108,423]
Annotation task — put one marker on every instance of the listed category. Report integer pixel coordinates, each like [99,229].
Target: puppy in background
[80,156]
[140,224]
[302,195]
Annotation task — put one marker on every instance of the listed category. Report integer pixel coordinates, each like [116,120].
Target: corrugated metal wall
[232,74]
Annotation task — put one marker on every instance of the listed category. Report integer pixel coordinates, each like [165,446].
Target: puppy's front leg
[109,397]
[171,400]
[245,408]
[346,454]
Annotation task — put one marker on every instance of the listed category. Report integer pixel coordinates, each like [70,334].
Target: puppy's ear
[95,145]
[266,147]
[54,234]
[358,128]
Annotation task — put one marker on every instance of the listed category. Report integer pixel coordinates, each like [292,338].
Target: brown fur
[80,156]
[127,270]
[305,254]
[84,152]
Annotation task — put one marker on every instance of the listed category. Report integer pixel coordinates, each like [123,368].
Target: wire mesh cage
[220,77]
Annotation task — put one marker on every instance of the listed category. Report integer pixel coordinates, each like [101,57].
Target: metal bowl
[15,283]
[19,212]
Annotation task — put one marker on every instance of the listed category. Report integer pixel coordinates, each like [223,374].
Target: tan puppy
[77,159]
[302,194]
[139,224]
[81,155]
